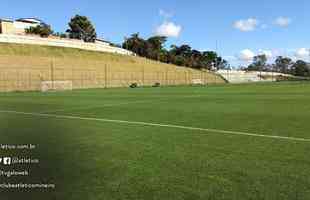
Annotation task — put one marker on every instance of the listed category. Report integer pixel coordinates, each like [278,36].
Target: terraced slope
[25,67]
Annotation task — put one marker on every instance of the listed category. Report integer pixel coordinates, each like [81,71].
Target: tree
[136,44]
[260,60]
[183,55]
[209,59]
[222,64]
[180,61]
[180,55]
[259,63]
[185,51]
[80,27]
[43,30]
[164,56]
[283,64]
[172,54]
[196,58]
[301,68]
[154,47]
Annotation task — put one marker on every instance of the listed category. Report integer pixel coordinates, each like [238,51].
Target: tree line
[281,64]
[183,55]
[80,27]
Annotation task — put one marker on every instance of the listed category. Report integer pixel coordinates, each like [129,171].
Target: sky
[237,29]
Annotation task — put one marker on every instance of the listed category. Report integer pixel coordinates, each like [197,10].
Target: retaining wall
[26,73]
[240,76]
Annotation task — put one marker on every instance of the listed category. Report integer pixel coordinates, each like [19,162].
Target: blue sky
[242,28]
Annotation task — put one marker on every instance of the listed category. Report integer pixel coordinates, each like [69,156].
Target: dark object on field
[134,85]
[156,85]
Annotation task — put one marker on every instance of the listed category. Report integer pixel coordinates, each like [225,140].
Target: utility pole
[216,49]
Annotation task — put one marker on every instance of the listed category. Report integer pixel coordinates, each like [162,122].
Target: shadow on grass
[52,149]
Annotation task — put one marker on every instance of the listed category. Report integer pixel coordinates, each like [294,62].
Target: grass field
[218,142]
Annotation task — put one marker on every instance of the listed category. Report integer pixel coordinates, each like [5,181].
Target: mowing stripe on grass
[92,107]
[156,125]
[108,105]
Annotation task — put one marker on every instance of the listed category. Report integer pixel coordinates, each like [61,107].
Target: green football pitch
[217,142]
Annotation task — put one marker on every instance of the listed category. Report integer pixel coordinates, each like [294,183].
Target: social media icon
[6,160]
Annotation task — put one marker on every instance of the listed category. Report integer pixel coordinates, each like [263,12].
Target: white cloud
[168,29]
[302,53]
[282,21]
[246,55]
[246,25]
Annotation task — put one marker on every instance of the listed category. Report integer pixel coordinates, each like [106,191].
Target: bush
[43,30]
[134,85]
[61,35]
[156,85]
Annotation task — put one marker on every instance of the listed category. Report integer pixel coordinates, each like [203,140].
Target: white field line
[157,125]
[92,107]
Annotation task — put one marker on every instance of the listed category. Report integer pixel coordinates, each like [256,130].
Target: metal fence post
[143,74]
[167,77]
[106,76]
[52,73]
